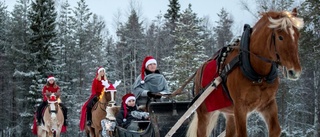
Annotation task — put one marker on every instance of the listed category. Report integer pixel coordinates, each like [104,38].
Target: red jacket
[96,87]
[50,88]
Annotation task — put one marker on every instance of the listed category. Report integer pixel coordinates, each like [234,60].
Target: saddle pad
[217,98]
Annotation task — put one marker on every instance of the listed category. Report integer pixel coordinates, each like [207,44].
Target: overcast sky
[151,8]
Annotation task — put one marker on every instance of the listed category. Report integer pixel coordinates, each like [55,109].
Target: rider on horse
[50,87]
[95,93]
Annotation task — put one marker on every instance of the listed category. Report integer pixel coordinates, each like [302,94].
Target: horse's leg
[198,125]
[97,132]
[230,126]
[240,119]
[89,130]
[270,114]
[202,121]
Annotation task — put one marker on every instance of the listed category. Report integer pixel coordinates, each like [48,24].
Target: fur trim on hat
[101,69]
[50,78]
[150,61]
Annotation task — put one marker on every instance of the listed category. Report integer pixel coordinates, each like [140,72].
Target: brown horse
[101,108]
[53,119]
[272,42]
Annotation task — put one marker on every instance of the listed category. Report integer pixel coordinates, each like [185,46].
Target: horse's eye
[280,38]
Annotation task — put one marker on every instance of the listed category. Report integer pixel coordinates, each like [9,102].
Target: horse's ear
[294,12]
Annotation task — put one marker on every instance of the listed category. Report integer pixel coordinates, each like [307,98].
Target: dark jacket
[125,121]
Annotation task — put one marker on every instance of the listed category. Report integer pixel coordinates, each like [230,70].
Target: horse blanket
[218,98]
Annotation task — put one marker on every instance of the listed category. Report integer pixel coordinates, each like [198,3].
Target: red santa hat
[100,69]
[147,61]
[111,88]
[125,99]
[50,78]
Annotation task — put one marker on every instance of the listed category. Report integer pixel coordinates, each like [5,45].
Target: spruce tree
[223,33]
[131,49]
[189,51]
[79,51]
[42,50]
[19,38]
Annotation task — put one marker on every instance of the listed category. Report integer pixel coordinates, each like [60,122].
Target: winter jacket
[124,121]
[49,88]
[153,82]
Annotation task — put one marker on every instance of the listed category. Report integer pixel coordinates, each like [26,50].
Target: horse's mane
[102,93]
[286,20]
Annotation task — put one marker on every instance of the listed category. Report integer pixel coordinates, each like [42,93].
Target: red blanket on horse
[217,98]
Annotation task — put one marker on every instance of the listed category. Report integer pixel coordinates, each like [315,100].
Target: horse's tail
[193,126]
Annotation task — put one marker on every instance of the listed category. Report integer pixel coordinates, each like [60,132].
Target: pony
[249,75]
[53,119]
[104,108]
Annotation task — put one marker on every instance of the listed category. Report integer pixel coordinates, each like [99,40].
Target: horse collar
[245,64]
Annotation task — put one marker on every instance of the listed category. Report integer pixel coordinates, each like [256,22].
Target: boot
[38,122]
[65,123]
[64,112]
[89,121]
[38,119]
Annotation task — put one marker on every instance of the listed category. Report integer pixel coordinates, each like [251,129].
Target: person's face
[51,81]
[152,67]
[101,73]
[131,103]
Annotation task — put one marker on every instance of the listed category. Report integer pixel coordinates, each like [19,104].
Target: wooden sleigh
[163,115]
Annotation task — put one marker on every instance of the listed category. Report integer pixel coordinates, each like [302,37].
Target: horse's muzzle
[291,74]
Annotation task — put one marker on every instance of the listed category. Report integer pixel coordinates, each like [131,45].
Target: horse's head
[280,30]
[111,89]
[52,98]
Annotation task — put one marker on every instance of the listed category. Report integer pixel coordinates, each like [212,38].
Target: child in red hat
[128,111]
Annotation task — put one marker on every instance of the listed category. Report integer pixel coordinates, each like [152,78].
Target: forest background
[37,40]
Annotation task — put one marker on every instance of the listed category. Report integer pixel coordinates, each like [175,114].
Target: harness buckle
[260,80]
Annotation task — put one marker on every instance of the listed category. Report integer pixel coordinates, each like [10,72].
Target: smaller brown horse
[101,108]
[249,73]
[53,119]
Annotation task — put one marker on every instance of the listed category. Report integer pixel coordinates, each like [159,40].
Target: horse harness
[98,104]
[53,111]
[243,61]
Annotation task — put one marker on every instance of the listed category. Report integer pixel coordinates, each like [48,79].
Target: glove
[140,115]
[154,95]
